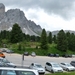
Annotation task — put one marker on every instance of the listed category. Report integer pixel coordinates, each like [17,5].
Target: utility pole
[22,60]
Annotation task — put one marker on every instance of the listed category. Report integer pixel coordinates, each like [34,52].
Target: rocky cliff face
[12,16]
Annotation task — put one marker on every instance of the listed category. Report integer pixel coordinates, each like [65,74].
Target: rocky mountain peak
[16,16]
[12,16]
[2,11]
[2,8]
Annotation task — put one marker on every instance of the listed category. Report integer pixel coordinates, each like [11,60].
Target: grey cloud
[59,7]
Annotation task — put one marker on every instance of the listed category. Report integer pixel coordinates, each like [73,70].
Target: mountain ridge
[12,16]
[57,31]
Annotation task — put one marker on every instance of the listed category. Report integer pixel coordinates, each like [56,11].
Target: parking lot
[17,59]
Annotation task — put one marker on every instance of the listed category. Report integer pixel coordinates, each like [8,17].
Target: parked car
[72,63]
[53,67]
[17,71]
[38,67]
[3,49]
[6,62]
[1,64]
[33,54]
[73,55]
[51,54]
[66,55]
[56,55]
[67,66]
[26,53]
[9,51]
[2,55]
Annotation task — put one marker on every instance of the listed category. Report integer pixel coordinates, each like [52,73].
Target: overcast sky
[49,14]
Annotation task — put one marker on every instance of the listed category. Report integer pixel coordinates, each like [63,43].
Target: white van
[17,71]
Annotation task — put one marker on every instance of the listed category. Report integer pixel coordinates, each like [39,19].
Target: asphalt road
[17,59]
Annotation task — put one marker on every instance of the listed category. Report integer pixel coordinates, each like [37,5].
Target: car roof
[36,63]
[65,63]
[12,68]
[72,61]
[52,62]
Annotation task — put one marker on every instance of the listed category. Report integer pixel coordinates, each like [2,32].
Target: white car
[17,71]
[6,62]
[38,67]
[33,54]
[53,67]
[9,51]
[67,66]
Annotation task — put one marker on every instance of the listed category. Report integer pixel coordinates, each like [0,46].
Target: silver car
[53,67]
[38,67]
[33,54]
[67,66]
[6,62]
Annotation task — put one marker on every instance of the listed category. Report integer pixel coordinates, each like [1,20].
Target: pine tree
[71,42]
[16,34]
[50,38]
[62,41]
[55,39]
[44,43]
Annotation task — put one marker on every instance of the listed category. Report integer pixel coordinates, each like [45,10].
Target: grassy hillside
[34,47]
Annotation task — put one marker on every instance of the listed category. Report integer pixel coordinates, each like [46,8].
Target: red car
[2,55]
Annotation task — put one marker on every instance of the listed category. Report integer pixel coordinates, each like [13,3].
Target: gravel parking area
[17,59]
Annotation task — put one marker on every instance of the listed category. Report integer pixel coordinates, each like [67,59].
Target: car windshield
[39,66]
[33,52]
[12,72]
[6,61]
[25,73]
[68,65]
[55,65]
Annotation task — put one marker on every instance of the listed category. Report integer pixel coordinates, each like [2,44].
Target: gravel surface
[17,59]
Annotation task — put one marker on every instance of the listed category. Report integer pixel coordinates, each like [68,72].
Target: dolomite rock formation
[12,16]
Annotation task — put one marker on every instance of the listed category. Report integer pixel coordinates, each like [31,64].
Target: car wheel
[45,69]
[15,66]
[52,71]
[67,69]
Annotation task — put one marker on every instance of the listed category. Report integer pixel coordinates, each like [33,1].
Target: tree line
[16,35]
[64,41]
